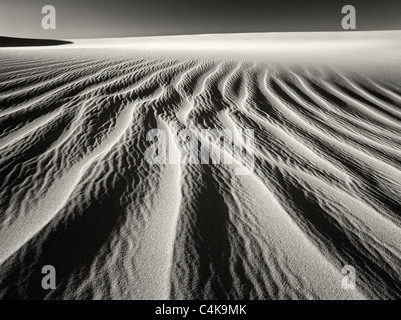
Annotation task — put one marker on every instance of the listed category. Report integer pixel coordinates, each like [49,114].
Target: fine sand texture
[77,191]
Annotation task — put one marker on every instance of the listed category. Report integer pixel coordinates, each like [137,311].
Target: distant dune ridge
[76,191]
[25,42]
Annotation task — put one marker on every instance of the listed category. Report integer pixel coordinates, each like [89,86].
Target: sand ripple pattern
[76,191]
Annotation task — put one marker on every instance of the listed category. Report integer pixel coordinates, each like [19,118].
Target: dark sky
[123,18]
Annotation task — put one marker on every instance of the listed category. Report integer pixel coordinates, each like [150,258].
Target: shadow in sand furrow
[364,101]
[171,73]
[79,78]
[308,115]
[68,86]
[77,86]
[378,279]
[273,148]
[73,167]
[23,65]
[337,129]
[192,81]
[98,120]
[210,102]
[37,77]
[70,245]
[121,75]
[77,241]
[201,266]
[168,104]
[170,101]
[323,112]
[237,85]
[368,178]
[340,117]
[353,108]
[379,94]
[220,250]
[370,188]
[394,89]
[19,119]
[20,161]
[134,77]
[373,190]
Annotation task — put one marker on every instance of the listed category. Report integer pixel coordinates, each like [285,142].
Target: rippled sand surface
[77,192]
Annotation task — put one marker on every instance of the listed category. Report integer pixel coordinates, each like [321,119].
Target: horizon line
[210,33]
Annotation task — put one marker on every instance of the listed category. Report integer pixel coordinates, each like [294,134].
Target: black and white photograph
[200,151]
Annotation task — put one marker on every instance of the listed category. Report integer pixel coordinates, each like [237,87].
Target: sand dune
[25,42]
[78,193]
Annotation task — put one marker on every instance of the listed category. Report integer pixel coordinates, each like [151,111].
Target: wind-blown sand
[76,191]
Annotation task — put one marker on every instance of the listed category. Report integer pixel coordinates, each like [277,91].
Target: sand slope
[76,191]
